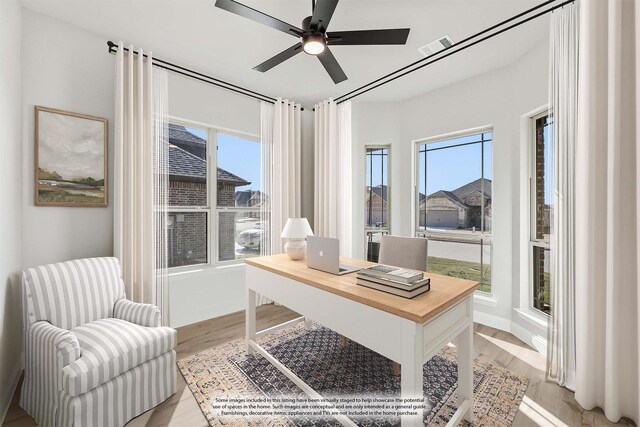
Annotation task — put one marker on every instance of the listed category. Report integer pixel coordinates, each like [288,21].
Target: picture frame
[70,159]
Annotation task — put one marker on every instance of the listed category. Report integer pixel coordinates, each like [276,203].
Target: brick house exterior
[188,187]
[376,206]
[460,208]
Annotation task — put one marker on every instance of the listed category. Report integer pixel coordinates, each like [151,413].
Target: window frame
[532,241]
[387,229]
[482,237]
[211,209]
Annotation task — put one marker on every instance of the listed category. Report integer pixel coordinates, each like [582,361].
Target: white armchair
[92,358]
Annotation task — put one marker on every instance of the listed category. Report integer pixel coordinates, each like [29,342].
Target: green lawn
[462,269]
[472,271]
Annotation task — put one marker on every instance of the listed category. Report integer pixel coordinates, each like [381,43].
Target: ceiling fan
[315,40]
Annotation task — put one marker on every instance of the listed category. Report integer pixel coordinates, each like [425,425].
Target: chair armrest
[43,337]
[138,313]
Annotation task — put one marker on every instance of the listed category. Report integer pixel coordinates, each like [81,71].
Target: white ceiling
[198,35]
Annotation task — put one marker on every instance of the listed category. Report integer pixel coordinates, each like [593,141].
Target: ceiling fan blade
[279,58]
[368,37]
[322,14]
[255,15]
[331,65]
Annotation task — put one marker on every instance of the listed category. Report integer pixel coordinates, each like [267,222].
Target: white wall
[375,124]
[11,197]
[307,165]
[498,99]
[68,68]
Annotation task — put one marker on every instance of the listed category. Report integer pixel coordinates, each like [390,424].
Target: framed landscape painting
[70,159]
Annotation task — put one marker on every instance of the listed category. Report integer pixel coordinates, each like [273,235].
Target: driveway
[460,251]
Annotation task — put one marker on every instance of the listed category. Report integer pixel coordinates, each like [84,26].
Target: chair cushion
[110,347]
[73,293]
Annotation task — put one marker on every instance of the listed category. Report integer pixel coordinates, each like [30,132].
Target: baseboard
[539,343]
[492,321]
[5,401]
[535,341]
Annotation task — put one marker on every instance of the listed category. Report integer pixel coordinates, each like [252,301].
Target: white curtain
[139,133]
[280,135]
[608,209]
[333,173]
[266,144]
[285,183]
[563,82]
[161,188]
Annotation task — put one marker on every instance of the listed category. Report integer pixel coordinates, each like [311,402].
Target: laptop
[323,253]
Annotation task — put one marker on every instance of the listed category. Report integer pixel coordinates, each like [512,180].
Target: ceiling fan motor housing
[310,31]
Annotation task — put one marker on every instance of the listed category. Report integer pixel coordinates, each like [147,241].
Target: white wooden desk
[407,331]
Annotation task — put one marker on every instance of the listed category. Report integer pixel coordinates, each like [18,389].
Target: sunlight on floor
[140,420]
[527,355]
[538,414]
[186,412]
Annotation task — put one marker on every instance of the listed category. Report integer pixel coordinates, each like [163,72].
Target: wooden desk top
[445,291]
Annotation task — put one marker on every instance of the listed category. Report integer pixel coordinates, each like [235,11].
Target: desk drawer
[446,326]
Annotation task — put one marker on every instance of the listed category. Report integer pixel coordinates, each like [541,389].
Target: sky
[448,168]
[453,167]
[238,156]
[71,146]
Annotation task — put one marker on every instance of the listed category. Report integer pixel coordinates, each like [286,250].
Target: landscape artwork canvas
[70,160]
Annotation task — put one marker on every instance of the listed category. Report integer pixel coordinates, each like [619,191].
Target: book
[393,273]
[394,283]
[391,290]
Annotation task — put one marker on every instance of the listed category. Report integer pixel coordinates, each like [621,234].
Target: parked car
[251,238]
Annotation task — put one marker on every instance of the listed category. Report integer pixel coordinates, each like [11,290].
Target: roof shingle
[184,163]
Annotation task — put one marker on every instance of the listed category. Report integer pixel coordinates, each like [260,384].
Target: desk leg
[250,319]
[411,377]
[464,342]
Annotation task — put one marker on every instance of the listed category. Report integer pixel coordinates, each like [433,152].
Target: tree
[45,174]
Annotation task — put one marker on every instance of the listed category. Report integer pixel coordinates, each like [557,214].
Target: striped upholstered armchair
[92,358]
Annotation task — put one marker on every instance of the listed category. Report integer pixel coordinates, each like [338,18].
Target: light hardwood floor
[545,403]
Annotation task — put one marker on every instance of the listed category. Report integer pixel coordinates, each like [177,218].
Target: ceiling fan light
[313,45]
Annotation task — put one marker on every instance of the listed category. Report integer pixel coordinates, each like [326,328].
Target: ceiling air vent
[436,46]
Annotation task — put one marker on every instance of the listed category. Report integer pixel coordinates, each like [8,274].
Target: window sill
[203,268]
[485,299]
[539,319]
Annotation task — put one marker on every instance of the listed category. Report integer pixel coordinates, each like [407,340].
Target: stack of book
[394,280]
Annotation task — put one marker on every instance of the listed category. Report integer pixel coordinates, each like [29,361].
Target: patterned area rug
[315,355]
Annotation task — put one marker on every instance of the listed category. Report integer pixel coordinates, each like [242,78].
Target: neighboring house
[250,198]
[459,208]
[187,187]
[376,208]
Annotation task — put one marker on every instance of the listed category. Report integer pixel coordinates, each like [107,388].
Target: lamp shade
[297,228]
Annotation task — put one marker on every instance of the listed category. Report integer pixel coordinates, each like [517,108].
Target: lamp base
[296,249]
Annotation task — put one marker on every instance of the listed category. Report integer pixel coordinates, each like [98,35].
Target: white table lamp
[296,230]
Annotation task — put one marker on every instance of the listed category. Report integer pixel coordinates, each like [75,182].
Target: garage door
[442,218]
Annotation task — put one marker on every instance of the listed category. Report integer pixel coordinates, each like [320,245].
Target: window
[241,233]
[454,204]
[188,216]
[542,206]
[376,198]
[204,225]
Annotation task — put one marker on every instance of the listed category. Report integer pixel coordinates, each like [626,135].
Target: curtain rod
[359,91]
[160,63]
